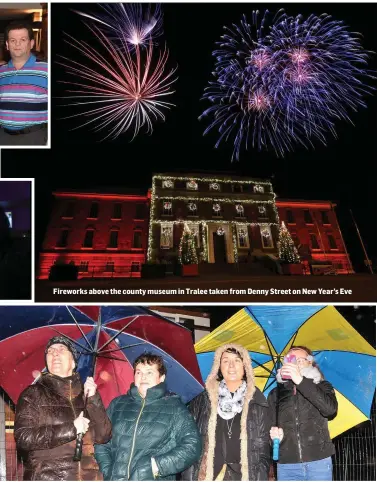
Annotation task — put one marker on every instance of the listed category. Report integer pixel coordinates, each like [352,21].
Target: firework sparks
[287,87]
[119,89]
[131,23]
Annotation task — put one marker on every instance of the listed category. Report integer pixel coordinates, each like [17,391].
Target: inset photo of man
[23,74]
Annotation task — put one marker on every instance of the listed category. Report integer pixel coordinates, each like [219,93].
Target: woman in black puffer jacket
[302,404]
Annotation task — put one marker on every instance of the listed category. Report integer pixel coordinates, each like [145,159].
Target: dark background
[344,171]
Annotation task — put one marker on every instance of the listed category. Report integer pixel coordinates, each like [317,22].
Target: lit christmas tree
[187,247]
[287,250]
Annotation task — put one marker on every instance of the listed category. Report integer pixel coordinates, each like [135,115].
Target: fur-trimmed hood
[212,386]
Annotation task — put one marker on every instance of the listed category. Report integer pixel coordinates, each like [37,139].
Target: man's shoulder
[4,68]
[42,64]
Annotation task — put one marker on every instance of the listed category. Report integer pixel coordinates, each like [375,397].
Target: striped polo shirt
[23,94]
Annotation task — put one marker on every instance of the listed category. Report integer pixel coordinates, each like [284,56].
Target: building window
[136,242]
[237,187]
[214,186]
[63,239]
[93,213]
[243,237]
[192,185]
[113,239]
[262,211]
[258,188]
[216,209]
[290,217]
[325,218]
[168,184]
[69,209]
[332,241]
[109,267]
[308,217]
[192,208]
[117,211]
[266,236]
[83,267]
[140,211]
[166,238]
[314,241]
[240,211]
[88,240]
[167,208]
[135,267]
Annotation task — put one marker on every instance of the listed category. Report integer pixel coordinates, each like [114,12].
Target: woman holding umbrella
[302,404]
[52,413]
[234,420]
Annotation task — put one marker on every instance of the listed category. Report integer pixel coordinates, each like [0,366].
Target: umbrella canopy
[107,337]
[343,355]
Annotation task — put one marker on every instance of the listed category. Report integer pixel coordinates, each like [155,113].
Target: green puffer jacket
[158,426]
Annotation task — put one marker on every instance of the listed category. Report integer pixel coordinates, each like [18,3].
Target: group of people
[225,433]
[23,90]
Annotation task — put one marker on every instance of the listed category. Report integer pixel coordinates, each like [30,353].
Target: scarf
[228,406]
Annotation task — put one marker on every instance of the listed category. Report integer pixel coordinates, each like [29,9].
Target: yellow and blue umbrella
[345,358]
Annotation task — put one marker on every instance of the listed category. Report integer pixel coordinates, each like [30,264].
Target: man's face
[60,361]
[147,376]
[19,44]
[231,367]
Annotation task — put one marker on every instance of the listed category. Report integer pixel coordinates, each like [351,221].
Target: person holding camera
[302,404]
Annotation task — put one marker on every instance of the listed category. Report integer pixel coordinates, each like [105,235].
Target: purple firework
[287,86]
[131,23]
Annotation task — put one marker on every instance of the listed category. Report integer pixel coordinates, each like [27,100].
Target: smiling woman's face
[231,367]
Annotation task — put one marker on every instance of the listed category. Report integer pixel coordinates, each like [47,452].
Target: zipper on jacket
[133,440]
[297,428]
[74,413]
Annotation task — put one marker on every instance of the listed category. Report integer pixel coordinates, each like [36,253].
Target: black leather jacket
[259,422]
[303,415]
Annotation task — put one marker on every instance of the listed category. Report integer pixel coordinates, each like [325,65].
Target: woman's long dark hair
[235,352]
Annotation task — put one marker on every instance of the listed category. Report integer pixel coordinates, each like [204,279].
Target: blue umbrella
[346,359]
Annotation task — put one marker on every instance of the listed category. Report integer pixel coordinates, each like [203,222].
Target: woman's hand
[276,432]
[292,370]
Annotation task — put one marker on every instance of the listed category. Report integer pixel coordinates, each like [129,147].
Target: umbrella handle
[275,449]
[78,449]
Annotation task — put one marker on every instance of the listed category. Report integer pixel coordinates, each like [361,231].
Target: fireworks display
[131,23]
[285,83]
[119,89]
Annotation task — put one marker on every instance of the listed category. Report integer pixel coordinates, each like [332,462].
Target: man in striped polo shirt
[23,91]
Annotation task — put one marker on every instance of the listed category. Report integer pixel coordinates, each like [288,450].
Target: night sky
[344,171]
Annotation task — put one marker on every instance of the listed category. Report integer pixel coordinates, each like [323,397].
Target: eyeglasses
[59,350]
